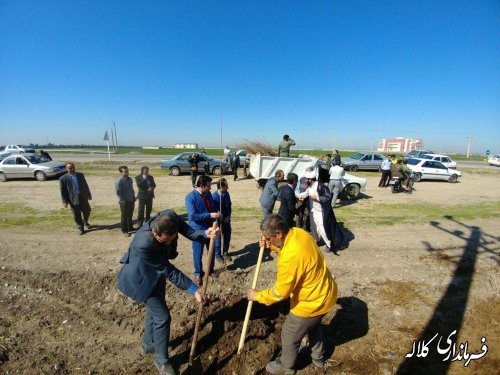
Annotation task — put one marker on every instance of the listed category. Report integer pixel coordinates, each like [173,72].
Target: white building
[399,144]
[190,146]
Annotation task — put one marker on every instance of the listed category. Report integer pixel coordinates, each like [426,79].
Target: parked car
[432,170]
[29,166]
[494,160]
[363,160]
[446,160]
[4,154]
[417,153]
[19,149]
[179,164]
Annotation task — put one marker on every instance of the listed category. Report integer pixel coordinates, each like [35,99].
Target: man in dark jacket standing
[146,193]
[193,161]
[126,198]
[270,193]
[76,193]
[235,163]
[146,267]
[288,199]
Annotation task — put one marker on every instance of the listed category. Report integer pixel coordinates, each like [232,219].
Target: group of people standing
[203,208]
[307,203]
[75,193]
[392,167]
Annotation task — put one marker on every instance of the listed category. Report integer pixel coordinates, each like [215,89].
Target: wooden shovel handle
[250,303]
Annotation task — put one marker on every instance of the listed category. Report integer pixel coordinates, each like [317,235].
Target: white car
[29,166]
[494,160]
[446,160]
[425,169]
[19,149]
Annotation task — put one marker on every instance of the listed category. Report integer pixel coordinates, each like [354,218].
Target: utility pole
[112,139]
[469,143]
[334,139]
[116,137]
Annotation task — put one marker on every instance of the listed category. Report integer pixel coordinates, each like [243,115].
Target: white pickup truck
[264,167]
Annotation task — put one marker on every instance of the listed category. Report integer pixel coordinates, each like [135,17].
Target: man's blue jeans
[157,324]
[198,255]
[226,232]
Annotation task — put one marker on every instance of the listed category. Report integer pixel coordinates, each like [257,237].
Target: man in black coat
[146,193]
[75,192]
[147,267]
[288,199]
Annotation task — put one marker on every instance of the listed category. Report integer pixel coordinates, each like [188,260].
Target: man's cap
[310,174]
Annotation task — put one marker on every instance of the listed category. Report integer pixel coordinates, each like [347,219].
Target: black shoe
[81,231]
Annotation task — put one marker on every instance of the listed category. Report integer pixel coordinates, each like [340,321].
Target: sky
[340,74]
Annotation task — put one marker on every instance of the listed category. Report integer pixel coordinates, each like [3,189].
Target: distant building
[399,144]
[192,146]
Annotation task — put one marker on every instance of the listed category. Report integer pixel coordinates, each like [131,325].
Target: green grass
[17,214]
[390,214]
[483,171]
[361,214]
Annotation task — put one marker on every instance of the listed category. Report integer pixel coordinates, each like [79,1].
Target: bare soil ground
[60,311]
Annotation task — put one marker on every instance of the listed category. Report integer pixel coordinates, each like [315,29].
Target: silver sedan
[29,166]
[180,164]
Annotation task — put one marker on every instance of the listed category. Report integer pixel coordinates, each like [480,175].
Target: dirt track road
[60,312]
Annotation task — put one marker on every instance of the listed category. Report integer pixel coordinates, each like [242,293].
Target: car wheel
[453,178]
[174,171]
[417,177]
[353,168]
[350,192]
[40,176]
[3,177]
[216,171]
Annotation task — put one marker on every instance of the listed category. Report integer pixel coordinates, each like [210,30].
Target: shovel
[250,303]
[197,369]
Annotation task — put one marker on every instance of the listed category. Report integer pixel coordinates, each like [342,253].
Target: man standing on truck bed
[284,146]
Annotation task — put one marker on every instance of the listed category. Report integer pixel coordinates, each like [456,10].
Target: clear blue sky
[165,71]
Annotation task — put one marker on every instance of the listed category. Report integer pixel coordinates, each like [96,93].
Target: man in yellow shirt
[302,276]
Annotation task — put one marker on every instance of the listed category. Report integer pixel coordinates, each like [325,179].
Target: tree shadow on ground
[449,313]
[95,228]
[247,257]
